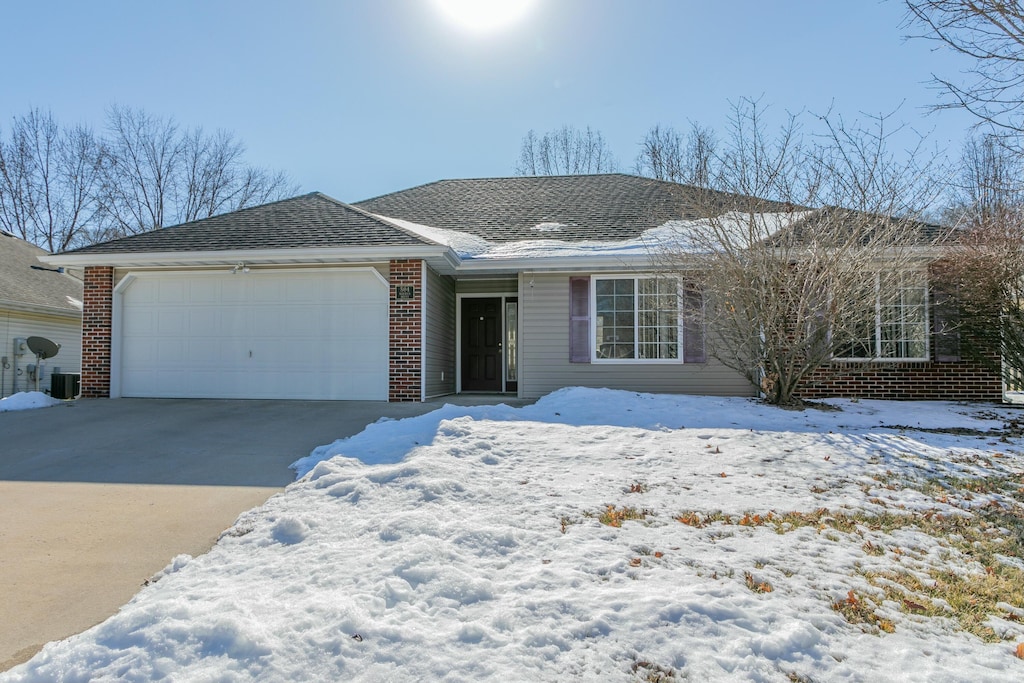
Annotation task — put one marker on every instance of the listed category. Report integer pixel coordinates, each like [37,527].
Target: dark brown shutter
[944,324]
[579,320]
[693,325]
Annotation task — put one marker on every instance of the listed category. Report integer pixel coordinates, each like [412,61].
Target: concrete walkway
[96,496]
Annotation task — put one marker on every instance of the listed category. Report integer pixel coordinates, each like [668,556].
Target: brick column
[406,344]
[97,305]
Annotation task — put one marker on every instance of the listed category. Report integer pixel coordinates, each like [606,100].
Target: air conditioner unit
[64,385]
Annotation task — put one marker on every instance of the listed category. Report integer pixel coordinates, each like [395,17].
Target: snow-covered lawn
[27,400]
[607,536]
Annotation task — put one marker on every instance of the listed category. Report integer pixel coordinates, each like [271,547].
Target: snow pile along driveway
[27,400]
[610,536]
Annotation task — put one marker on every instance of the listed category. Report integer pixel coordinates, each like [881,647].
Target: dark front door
[481,344]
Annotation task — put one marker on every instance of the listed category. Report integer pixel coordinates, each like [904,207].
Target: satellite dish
[42,347]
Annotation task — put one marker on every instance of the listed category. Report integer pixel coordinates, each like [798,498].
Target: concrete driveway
[96,496]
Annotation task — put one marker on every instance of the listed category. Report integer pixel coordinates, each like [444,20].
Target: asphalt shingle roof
[600,208]
[608,207]
[308,221]
[20,283]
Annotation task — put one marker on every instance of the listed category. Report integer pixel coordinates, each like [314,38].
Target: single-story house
[520,285]
[36,300]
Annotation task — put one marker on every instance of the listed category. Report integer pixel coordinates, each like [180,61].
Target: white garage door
[319,334]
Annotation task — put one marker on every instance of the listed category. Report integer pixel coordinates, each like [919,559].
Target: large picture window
[636,318]
[896,326]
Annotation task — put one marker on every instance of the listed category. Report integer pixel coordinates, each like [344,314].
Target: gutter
[249,256]
[41,309]
[442,258]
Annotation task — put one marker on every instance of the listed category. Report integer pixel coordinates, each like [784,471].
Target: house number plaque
[404,292]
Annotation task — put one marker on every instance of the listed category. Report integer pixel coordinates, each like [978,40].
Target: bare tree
[156,174]
[565,151]
[991,34]
[804,252]
[984,278]
[62,187]
[139,178]
[988,184]
[666,155]
[48,180]
[141,173]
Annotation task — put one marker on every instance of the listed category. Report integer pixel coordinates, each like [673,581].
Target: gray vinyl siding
[439,345]
[509,286]
[544,355]
[64,331]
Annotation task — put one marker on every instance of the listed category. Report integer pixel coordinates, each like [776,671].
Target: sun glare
[482,16]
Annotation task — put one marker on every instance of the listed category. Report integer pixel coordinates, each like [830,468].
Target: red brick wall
[963,380]
[97,305]
[908,381]
[406,342]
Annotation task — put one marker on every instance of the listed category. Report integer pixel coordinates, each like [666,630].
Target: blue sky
[359,98]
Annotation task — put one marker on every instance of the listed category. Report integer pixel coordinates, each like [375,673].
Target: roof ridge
[541,177]
[383,220]
[388,194]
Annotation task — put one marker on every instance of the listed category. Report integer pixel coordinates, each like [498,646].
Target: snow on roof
[462,243]
[675,236]
[549,227]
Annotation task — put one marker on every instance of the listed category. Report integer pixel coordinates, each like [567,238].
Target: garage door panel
[301,290]
[310,335]
[139,322]
[171,292]
[204,293]
[233,289]
[204,318]
[170,321]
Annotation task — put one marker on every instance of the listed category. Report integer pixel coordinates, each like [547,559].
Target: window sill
[880,360]
[637,361]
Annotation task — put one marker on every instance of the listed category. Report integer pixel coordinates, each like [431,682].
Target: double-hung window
[895,327]
[636,318]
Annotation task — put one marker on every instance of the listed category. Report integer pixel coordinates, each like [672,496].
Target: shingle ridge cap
[384,220]
[393,192]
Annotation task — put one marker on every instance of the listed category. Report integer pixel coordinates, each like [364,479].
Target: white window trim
[594,358]
[878,332]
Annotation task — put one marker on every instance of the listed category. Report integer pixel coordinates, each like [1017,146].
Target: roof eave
[432,253]
[609,262]
[23,307]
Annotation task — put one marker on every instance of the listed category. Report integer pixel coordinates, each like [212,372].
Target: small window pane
[637,318]
[901,330]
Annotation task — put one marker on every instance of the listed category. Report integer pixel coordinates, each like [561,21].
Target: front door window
[511,344]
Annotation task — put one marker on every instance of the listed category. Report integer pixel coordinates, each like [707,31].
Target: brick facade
[97,306]
[947,379]
[405,316]
[963,381]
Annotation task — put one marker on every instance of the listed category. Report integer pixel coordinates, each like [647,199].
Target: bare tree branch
[48,177]
[801,246]
[666,155]
[564,151]
[989,32]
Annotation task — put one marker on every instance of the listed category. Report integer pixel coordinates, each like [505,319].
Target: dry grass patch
[860,610]
[615,516]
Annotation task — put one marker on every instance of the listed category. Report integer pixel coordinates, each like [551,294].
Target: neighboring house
[520,285]
[35,301]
